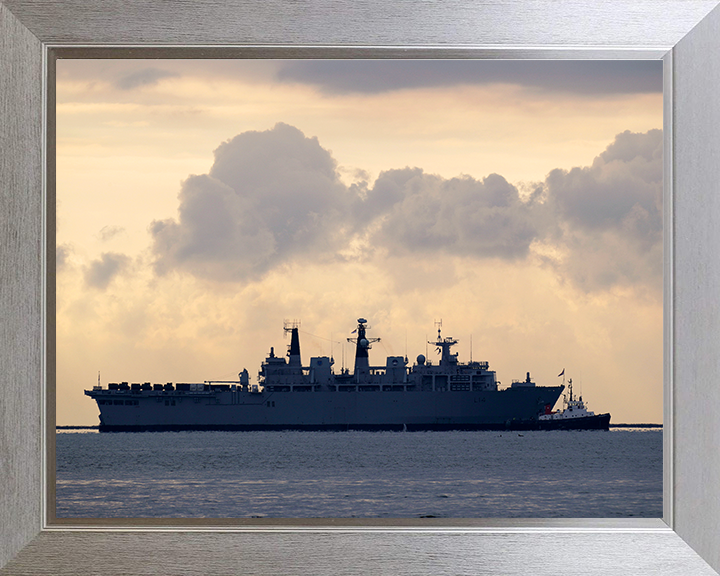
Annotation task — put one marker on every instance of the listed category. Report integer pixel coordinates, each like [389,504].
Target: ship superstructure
[449,395]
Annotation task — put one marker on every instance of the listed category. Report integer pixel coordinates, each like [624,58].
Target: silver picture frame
[685,34]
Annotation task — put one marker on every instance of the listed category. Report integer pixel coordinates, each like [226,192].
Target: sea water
[558,474]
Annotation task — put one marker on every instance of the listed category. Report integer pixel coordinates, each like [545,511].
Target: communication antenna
[288,325]
[471,348]
[581,381]
[438,323]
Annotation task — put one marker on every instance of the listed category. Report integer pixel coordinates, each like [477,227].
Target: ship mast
[443,346]
[362,345]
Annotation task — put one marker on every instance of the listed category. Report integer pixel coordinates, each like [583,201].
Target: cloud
[268,197]
[626,175]
[62,256]
[613,214]
[596,77]
[275,196]
[463,216]
[108,232]
[144,77]
[101,272]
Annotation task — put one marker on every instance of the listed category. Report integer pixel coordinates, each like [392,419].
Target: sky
[201,203]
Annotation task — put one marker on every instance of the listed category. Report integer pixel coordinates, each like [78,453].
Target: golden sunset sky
[202,202]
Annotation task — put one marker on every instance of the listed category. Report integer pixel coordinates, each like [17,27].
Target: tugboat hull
[596,422]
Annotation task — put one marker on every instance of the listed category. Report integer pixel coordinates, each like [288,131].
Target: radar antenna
[362,340]
[362,345]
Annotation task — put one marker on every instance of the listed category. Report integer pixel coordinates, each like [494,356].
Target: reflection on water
[360,474]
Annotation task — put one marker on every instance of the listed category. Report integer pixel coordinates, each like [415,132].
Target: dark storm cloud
[275,196]
[144,77]
[269,195]
[587,77]
[101,272]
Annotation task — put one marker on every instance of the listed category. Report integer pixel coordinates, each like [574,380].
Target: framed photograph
[517,203]
[35,540]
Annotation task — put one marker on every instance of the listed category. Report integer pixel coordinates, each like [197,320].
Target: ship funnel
[294,351]
[294,348]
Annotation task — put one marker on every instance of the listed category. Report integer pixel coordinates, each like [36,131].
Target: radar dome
[421,359]
[364,343]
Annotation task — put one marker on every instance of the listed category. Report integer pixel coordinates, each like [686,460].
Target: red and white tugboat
[574,416]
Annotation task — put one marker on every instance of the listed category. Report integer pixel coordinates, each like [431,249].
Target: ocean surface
[559,474]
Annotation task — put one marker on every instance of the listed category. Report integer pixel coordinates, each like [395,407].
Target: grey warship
[449,395]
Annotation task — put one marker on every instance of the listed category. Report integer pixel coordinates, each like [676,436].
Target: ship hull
[306,427]
[321,410]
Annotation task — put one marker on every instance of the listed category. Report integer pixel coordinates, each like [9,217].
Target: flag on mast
[561,373]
